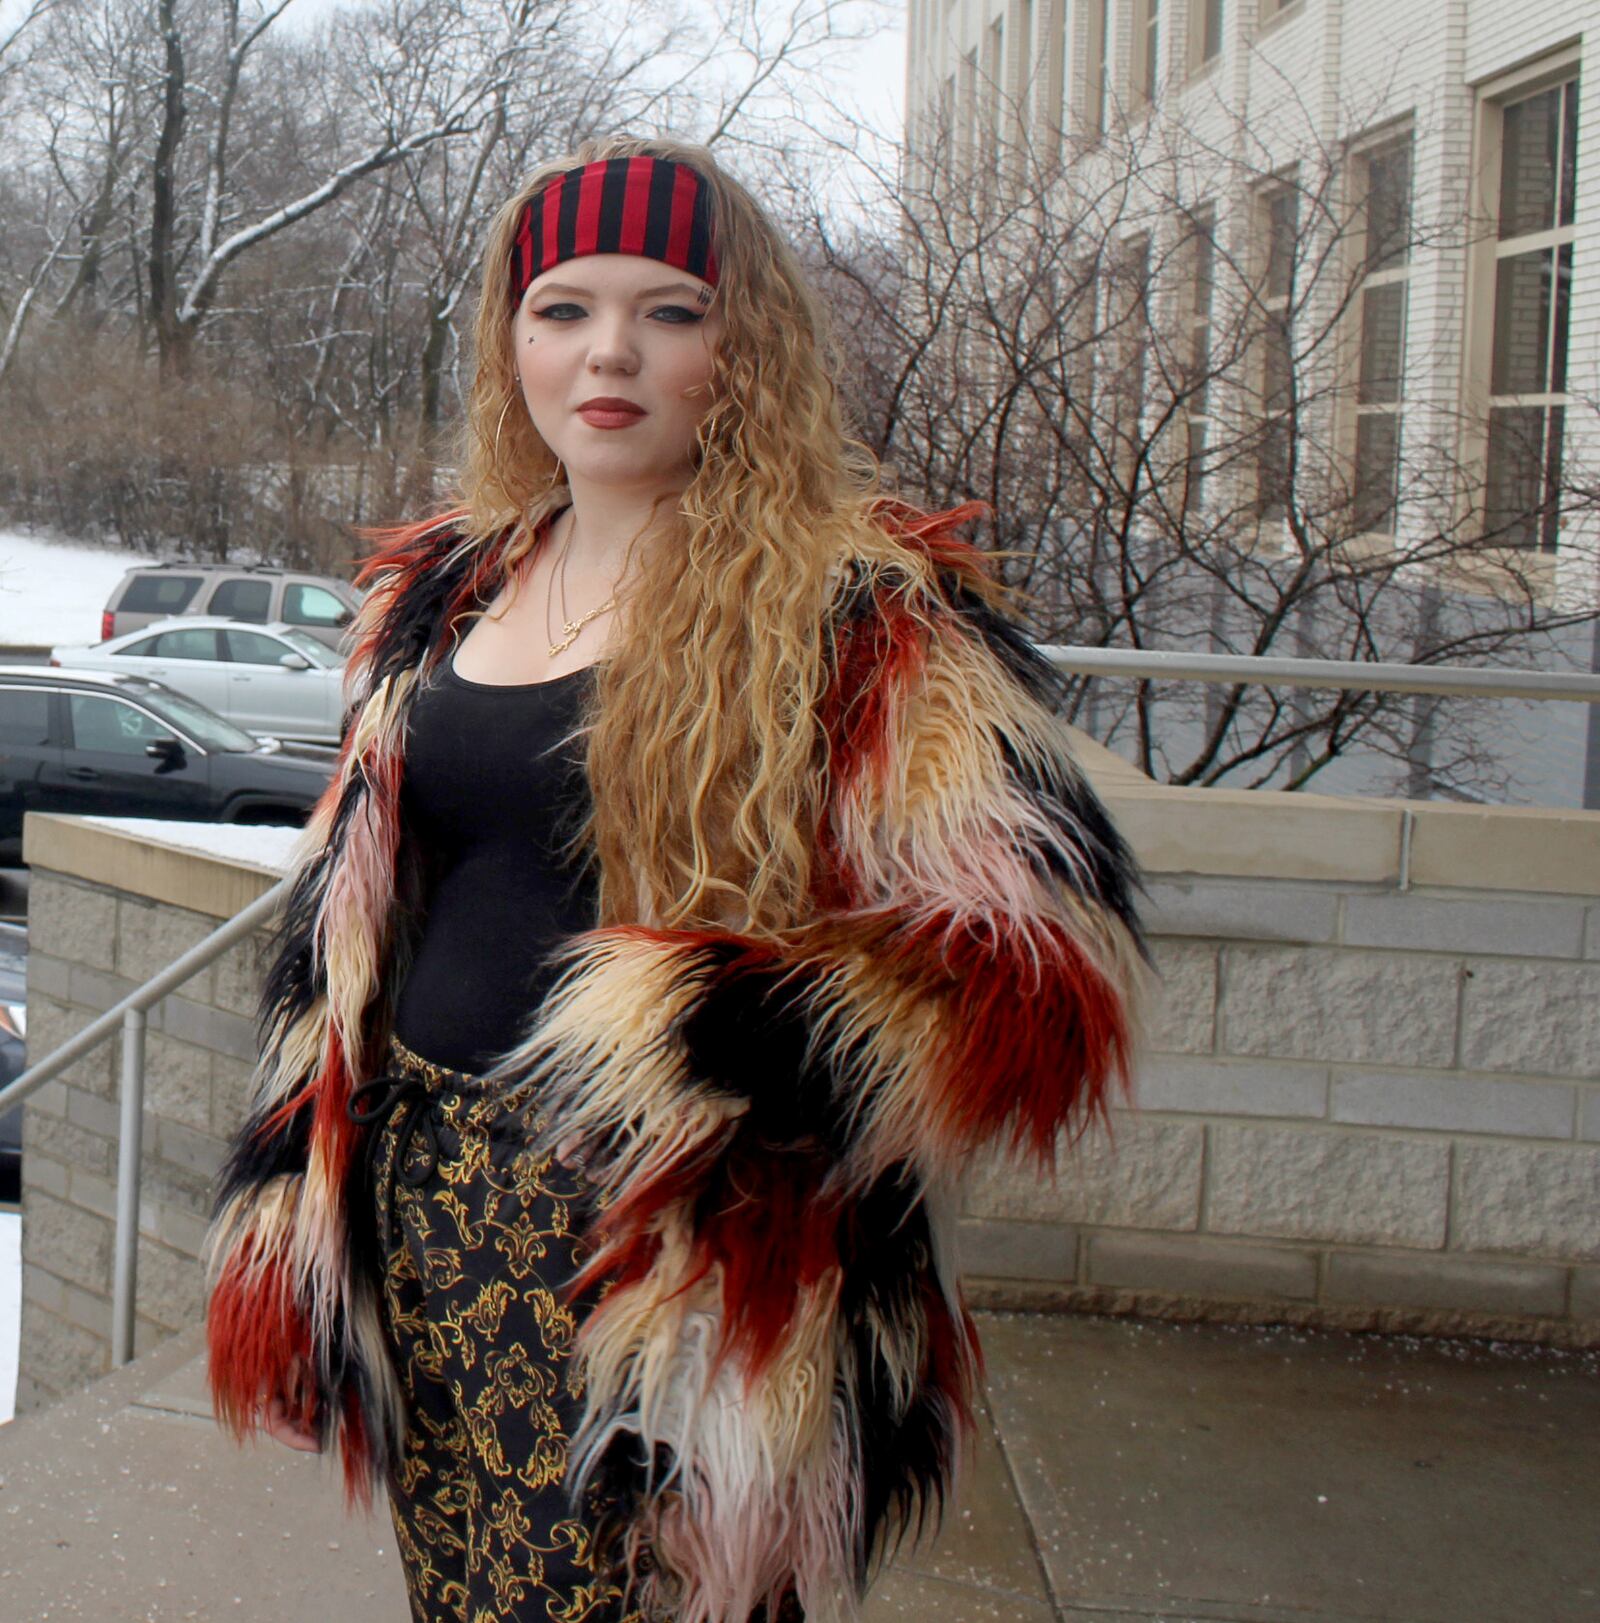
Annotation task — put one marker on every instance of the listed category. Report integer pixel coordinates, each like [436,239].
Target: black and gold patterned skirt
[479,1239]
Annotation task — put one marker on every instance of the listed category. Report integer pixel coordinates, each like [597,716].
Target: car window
[199,642]
[253,648]
[111,725]
[187,715]
[319,653]
[242,599]
[305,605]
[144,648]
[159,594]
[24,716]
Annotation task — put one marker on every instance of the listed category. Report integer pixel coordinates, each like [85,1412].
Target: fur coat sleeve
[780,1371]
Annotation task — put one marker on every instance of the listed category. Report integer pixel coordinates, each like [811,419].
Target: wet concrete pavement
[1126,1470]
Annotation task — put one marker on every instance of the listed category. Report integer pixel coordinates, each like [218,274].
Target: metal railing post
[125,1262]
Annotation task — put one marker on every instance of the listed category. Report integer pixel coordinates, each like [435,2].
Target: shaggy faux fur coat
[780,1372]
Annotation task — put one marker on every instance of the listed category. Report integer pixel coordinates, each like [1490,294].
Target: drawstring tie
[411,1090]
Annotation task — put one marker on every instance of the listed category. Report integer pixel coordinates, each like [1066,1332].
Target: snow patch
[261,846]
[55,591]
[10,1309]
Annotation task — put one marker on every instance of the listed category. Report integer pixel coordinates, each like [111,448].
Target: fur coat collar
[798,1362]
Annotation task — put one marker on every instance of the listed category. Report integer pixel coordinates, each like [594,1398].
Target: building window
[1384,225]
[1022,44]
[1130,313]
[1146,50]
[994,77]
[970,104]
[1275,8]
[1202,283]
[1097,59]
[1205,30]
[1280,219]
[1532,303]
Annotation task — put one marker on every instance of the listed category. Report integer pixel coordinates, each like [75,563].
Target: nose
[610,347]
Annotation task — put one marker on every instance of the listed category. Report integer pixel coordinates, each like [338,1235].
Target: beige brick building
[1471,118]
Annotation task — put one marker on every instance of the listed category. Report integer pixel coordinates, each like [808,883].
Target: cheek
[533,361]
[691,383]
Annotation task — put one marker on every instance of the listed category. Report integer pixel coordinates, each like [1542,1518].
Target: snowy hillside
[54,591]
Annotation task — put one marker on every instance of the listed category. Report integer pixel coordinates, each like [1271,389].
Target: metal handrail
[1354,675]
[129,1015]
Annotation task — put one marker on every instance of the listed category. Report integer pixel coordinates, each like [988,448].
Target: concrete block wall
[1359,1107]
[90,944]
[1371,1096]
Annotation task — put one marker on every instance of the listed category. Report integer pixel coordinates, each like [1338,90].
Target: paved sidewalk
[1127,1471]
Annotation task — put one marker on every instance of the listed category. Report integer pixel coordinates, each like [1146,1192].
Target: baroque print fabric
[480,1234]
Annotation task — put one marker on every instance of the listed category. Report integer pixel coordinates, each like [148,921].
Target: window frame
[51,738]
[1363,153]
[1099,18]
[1200,302]
[234,582]
[1276,308]
[1492,97]
[69,726]
[1144,65]
[1199,17]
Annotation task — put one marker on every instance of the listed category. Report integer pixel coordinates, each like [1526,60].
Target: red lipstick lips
[607,411]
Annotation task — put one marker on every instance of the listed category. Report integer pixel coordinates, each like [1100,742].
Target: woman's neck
[605,521]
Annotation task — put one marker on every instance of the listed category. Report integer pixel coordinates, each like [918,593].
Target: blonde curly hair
[705,760]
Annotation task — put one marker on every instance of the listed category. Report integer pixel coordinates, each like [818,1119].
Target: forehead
[627,275]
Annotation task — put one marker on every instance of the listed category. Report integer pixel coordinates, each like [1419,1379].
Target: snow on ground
[10,1308]
[266,847]
[55,591]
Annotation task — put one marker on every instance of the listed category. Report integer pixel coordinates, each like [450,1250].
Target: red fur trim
[401,549]
[254,1335]
[775,1235]
[1026,1079]
[934,533]
[355,1452]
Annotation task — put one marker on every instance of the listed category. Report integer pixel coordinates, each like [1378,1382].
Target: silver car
[272,680]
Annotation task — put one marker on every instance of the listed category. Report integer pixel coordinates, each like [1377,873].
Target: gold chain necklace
[571,627]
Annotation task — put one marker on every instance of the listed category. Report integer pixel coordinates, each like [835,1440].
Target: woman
[704,881]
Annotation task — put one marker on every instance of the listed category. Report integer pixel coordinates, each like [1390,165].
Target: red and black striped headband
[648,206]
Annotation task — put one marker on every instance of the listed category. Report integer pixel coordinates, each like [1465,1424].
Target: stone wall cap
[215,869]
[1277,834]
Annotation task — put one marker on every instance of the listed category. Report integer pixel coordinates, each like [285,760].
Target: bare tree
[1149,364]
[285,227]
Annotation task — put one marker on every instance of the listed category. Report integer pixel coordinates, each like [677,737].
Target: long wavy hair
[704,755]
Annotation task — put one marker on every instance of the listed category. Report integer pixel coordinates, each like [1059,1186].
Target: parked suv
[256,593]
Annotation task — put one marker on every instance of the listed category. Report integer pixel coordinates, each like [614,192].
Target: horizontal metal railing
[1354,675]
[129,1016]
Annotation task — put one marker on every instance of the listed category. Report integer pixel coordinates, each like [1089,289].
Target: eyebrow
[644,293]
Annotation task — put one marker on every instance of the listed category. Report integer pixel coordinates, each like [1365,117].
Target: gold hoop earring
[499,425]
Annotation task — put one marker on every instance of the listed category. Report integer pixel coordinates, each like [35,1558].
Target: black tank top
[490,797]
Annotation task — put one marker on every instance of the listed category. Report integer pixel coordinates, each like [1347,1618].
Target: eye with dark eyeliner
[678,315]
[553,312]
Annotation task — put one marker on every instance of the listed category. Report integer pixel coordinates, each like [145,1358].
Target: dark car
[96,744]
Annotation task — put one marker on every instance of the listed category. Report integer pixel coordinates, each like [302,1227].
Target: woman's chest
[487,765]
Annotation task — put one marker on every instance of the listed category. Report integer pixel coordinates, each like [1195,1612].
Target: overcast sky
[873,78]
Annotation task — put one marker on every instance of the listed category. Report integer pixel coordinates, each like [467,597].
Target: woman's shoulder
[417,578]
[917,562]
[921,581]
